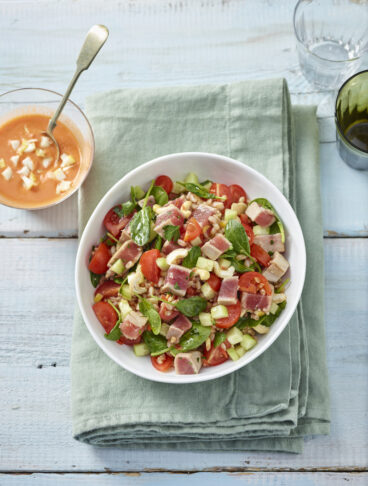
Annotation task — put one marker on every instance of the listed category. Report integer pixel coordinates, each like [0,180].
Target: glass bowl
[43,101]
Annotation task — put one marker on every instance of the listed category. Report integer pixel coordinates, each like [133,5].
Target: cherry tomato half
[193,230]
[165,182]
[253,282]
[148,264]
[232,318]
[163,362]
[222,190]
[106,315]
[109,288]
[260,255]
[237,192]
[114,224]
[167,314]
[249,230]
[214,282]
[101,256]
[129,342]
[216,356]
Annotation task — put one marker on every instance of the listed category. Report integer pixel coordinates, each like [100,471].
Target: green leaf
[192,306]
[220,337]
[152,315]
[128,207]
[115,332]
[237,236]
[195,337]
[156,344]
[266,320]
[199,190]
[140,226]
[265,203]
[171,232]
[190,261]
[95,279]
[160,195]
[158,243]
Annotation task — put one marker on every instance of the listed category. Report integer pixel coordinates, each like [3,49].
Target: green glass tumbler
[351,118]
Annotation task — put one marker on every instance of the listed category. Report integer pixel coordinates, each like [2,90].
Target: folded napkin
[282,395]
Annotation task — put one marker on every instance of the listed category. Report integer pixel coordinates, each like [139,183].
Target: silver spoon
[95,39]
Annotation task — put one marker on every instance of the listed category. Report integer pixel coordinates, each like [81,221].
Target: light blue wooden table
[164,42]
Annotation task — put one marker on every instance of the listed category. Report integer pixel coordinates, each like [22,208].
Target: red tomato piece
[165,182]
[244,219]
[193,230]
[249,230]
[232,318]
[260,255]
[129,342]
[214,282]
[191,291]
[222,190]
[106,315]
[253,282]
[109,288]
[237,192]
[163,362]
[149,267]
[215,356]
[101,256]
[167,314]
[114,224]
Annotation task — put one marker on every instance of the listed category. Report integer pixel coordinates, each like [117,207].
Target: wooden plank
[37,299]
[162,43]
[196,479]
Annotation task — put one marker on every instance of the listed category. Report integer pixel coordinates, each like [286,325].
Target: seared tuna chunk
[277,267]
[188,363]
[214,248]
[260,215]
[229,291]
[180,326]
[270,242]
[177,280]
[133,325]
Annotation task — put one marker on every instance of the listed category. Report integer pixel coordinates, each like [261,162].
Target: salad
[189,273]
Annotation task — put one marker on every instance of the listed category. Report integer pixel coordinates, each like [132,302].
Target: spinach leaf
[160,195]
[266,320]
[265,203]
[280,289]
[152,315]
[220,337]
[171,232]
[95,279]
[199,190]
[115,332]
[156,344]
[119,211]
[140,226]
[237,264]
[128,207]
[192,306]
[237,236]
[190,261]
[158,243]
[193,338]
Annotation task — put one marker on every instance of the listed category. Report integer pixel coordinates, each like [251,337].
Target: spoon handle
[95,39]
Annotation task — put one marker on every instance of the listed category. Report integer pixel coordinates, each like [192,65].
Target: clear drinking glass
[332,36]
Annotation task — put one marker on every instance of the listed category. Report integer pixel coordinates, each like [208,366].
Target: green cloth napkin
[282,395]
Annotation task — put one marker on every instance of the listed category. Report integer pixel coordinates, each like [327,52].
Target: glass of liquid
[351,118]
[332,36]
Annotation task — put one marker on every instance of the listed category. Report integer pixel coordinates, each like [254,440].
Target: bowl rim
[200,377]
[69,194]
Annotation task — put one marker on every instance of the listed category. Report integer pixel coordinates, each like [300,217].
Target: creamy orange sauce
[29,174]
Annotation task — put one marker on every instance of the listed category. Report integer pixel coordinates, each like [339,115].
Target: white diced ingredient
[30,147]
[45,142]
[7,173]
[24,171]
[46,162]
[63,186]
[59,175]
[27,182]
[40,153]
[28,162]
[14,159]
[14,144]
[67,160]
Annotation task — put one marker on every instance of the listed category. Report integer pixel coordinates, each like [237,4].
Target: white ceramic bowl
[207,166]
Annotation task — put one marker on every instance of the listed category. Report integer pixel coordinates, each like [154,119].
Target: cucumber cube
[205,319]
[207,291]
[192,177]
[162,263]
[234,336]
[260,230]
[141,349]
[126,292]
[230,214]
[118,267]
[219,311]
[205,264]
[248,342]
[233,354]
